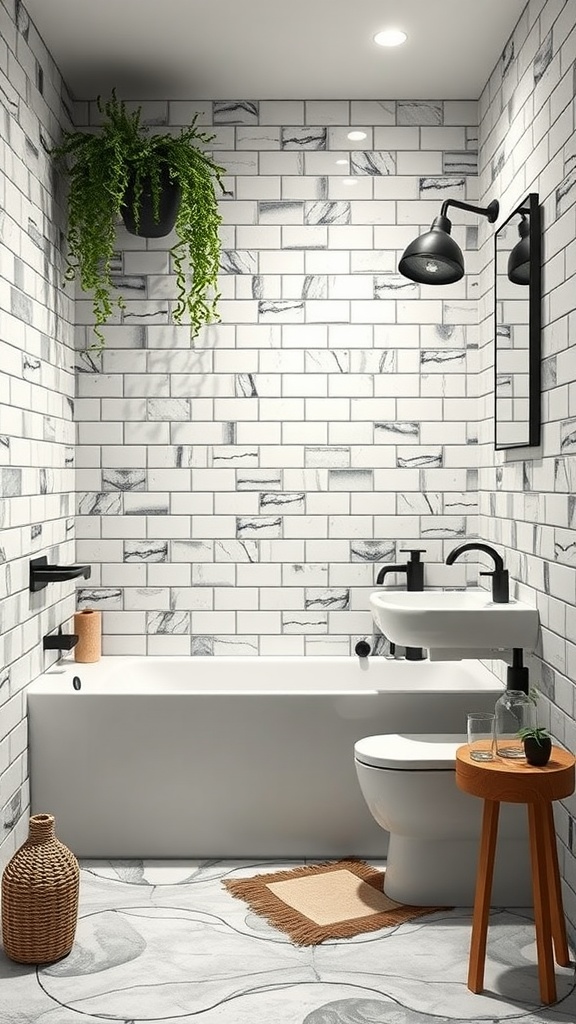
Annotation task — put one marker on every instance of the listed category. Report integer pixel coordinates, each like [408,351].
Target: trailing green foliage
[100,166]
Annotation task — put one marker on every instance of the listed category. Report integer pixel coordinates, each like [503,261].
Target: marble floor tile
[163,941]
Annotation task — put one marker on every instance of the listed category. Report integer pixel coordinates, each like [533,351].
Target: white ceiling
[274,49]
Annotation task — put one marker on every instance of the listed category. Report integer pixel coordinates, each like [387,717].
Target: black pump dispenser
[515,710]
[517,676]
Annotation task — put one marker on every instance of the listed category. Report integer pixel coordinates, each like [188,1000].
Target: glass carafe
[514,711]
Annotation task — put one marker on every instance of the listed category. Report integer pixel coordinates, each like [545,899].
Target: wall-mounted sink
[454,619]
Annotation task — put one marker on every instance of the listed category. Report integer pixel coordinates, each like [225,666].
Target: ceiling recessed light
[390,37]
[357,136]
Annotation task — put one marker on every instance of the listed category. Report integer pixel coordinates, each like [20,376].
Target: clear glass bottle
[514,710]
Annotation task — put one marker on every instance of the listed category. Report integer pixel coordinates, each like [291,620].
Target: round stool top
[516,782]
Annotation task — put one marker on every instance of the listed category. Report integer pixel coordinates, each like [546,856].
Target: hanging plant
[124,169]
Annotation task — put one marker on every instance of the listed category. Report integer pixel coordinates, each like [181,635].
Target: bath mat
[332,900]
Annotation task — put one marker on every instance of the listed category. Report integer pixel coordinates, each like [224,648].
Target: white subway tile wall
[238,492]
[527,502]
[36,392]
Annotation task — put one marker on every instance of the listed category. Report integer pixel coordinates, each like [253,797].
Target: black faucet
[59,641]
[499,574]
[414,570]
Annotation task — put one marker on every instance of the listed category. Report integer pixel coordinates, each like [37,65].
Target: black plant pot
[537,751]
[148,226]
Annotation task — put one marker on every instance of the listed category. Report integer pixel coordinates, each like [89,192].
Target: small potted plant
[122,170]
[537,745]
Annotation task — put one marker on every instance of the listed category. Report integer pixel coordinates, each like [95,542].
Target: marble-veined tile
[331,599]
[372,551]
[374,162]
[543,58]
[507,57]
[99,503]
[235,112]
[99,597]
[163,940]
[152,961]
[303,138]
[159,872]
[434,981]
[333,212]
[419,112]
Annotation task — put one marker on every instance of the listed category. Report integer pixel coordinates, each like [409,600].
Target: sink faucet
[499,574]
[414,570]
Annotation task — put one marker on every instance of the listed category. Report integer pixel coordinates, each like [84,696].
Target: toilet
[409,785]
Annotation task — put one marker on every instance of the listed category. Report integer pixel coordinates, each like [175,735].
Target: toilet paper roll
[88,627]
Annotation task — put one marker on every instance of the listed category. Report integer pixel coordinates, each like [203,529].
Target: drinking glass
[481,735]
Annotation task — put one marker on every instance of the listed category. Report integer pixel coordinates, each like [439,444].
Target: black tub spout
[41,573]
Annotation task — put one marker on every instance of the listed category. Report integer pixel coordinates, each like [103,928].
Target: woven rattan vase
[40,897]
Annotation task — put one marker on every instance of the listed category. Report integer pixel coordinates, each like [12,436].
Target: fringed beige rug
[332,900]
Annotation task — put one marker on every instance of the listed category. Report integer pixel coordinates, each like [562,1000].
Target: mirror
[517,326]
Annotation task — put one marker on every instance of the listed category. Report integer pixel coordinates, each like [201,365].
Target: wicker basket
[40,897]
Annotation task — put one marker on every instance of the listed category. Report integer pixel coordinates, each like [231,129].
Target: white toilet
[408,782]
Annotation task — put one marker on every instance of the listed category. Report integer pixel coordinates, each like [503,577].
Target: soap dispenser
[515,710]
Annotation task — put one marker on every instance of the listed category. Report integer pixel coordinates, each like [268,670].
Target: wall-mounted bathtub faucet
[499,574]
[414,570]
[41,574]
[59,641]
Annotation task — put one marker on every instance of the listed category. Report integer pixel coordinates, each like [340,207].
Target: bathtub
[229,758]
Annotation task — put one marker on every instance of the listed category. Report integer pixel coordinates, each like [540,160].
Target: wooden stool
[517,782]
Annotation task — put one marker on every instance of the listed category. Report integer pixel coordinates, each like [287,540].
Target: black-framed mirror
[517,261]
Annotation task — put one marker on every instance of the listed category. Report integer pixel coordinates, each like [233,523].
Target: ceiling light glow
[390,37]
[357,136]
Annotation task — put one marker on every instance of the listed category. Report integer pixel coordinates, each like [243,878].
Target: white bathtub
[247,757]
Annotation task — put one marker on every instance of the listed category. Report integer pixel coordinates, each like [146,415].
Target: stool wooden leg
[561,951]
[538,848]
[482,896]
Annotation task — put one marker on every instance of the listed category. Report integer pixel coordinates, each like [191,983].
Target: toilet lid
[417,751]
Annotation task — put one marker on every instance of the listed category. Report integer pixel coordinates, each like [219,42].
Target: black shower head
[434,257]
[519,258]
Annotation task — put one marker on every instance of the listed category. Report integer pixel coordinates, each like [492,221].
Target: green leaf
[537,733]
[99,166]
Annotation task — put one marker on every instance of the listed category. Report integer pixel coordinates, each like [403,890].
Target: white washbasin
[454,619]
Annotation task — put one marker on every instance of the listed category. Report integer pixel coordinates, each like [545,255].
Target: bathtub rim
[100,681]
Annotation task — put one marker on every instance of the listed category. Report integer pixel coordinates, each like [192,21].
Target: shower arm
[491,211]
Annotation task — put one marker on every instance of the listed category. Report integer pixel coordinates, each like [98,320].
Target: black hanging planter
[148,226]
[537,751]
